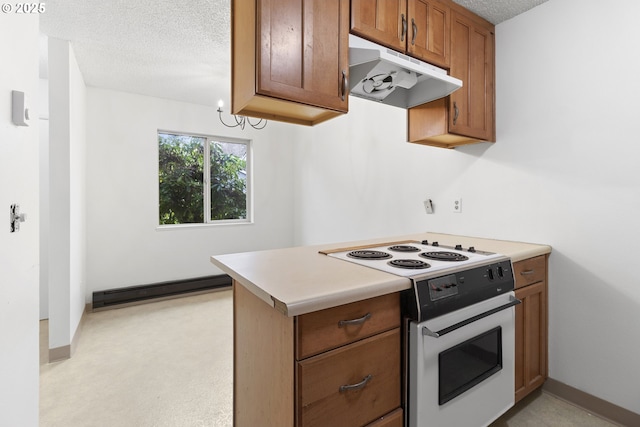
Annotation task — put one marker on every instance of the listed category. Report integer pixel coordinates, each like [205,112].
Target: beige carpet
[169,363]
[162,364]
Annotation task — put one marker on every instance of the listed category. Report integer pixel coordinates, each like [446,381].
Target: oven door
[461,365]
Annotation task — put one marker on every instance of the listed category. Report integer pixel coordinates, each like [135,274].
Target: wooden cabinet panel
[263,374]
[418,27]
[472,61]
[429,29]
[271,388]
[302,53]
[290,59]
[394,419]
[531,339]
[468,114]
[370,369]
[530,271]
[380,21]
[327,329]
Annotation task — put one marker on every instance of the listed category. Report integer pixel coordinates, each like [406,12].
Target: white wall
[19,250]
[43,167]
[125,247]
[563,172]
[67,163]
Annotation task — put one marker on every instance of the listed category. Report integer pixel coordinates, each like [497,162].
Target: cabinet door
[531,339]
[472,61]
[304,51]
[429,29]
[382,21]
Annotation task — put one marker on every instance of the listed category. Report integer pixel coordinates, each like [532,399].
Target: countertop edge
[252,287]
[257,272]
[395,284]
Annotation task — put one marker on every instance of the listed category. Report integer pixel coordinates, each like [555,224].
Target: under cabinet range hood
[384,75]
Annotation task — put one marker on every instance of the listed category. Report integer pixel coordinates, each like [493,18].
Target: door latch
[15,217]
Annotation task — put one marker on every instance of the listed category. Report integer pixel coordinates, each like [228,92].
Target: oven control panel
[432,297]
[443,287]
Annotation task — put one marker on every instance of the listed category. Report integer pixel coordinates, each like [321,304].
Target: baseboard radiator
[135,294]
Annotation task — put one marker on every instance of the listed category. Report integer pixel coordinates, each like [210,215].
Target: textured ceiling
[496,11]
[172,49]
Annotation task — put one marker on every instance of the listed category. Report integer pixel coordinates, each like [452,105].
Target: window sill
[175,227]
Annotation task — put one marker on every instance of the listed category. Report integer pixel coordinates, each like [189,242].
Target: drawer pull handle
[358,386]
[526,272]
[354,321]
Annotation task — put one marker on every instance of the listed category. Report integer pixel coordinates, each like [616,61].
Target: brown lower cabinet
[336,367]
[531,325]
[350,386]
[341,367]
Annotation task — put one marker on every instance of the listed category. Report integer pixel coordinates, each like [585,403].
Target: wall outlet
[457,205]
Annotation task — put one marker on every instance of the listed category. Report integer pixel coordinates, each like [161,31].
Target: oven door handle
[426,331]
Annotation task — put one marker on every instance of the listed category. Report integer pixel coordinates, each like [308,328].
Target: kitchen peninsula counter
[292,357]
[302,280]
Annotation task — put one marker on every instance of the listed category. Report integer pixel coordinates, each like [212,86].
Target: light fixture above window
[241,121]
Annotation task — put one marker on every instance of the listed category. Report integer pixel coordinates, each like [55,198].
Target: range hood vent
[386,76]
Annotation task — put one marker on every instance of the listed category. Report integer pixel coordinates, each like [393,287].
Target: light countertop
[301,280]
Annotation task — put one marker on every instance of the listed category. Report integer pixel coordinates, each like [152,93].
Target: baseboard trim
[66,351]
[592,404]
[59,353]
[133,295]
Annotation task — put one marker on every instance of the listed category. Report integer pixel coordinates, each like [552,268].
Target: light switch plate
[19,113]
[428,206]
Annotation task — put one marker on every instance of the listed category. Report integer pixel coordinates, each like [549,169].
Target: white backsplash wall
[124,246]
[563,173]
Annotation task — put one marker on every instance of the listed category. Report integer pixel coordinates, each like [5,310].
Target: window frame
[206,187]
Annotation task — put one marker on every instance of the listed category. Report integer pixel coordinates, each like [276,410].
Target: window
[203,179]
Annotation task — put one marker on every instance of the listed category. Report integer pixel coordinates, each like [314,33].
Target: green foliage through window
[185,195]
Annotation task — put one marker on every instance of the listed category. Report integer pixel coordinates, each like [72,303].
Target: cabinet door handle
[358,321]
[345,83]
[456,112]
[526,272]
[358,386]
[415,31]
[404,28]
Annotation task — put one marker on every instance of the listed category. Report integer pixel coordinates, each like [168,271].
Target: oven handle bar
[426,331]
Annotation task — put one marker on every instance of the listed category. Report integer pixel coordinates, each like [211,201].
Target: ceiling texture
[171,49]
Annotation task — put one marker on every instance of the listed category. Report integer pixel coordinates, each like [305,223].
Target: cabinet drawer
[370,370]
[331,328]
[394,419]
[530,271]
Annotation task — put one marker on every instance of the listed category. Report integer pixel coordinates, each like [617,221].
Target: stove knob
[459,247]
[435,244]
[472,249]
[490,273]
[425,242]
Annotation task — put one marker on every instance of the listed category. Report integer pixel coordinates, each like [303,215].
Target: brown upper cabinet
[468,114]
[420,28]
[290,59]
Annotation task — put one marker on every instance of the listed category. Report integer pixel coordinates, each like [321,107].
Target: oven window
[469,363]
